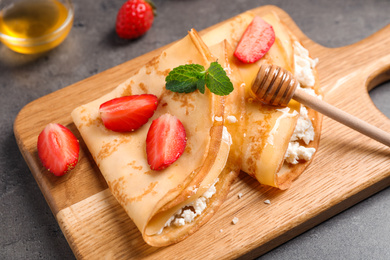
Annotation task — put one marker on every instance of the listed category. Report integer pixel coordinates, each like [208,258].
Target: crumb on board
[267,202]
[235,220]
[239,195]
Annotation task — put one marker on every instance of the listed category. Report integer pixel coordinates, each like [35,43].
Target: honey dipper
[274,85]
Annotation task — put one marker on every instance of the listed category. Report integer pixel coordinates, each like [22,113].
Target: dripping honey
[35,26]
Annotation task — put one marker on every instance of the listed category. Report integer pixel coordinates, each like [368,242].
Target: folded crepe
[171,204]
[279,143]
[225,134]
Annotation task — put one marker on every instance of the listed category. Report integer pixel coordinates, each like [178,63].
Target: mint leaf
[180,86]
[217,81]
[190,77]
[201,85]
[185,78]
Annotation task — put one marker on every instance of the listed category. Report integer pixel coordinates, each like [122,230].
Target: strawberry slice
[58,149]
[165,142]
[255,42]
[128,113]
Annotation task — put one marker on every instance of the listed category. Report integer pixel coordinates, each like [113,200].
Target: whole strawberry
[134,18]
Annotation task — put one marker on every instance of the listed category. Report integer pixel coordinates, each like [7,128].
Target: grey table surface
[28,230]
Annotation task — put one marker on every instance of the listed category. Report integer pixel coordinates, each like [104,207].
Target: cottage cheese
[304,129]
[188,213]
[297,152]
[304,65]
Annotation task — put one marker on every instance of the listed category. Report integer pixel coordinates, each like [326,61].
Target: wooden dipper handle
[276,86]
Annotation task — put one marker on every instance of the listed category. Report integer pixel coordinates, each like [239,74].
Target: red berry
[256,41]
[58,149]
[128,113]
[165,142]
[134,19]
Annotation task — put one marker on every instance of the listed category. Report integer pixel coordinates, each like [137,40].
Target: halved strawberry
[255,42]
[165,142]
[58,149]
[128,113]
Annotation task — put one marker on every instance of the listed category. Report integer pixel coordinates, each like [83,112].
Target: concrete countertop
[28,228]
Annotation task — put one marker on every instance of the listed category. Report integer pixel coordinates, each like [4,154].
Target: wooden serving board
[347,168]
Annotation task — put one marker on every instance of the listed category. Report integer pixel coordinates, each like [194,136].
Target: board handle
[368,59]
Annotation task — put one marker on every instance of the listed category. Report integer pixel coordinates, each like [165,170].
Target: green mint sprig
[190,77]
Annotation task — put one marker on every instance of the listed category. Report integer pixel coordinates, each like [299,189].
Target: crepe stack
[225,134]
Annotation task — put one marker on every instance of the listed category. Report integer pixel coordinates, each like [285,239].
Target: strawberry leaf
[154,8]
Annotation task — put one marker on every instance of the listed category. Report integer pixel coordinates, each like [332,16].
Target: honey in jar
[33,26]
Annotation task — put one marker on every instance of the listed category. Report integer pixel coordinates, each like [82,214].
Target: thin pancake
[269,129]
[149,197]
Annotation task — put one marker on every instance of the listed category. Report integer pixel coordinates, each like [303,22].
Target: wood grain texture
[347,168]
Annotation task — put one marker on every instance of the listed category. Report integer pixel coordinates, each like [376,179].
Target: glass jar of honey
[34,26]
